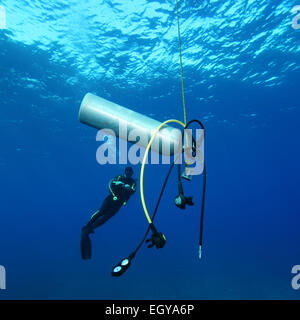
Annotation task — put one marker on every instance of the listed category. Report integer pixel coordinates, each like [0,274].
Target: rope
[181,68]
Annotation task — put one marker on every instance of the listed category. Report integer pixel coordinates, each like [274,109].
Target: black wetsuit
[110,206]
[119,195]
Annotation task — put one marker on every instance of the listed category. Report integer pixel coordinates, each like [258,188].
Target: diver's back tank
[127,124]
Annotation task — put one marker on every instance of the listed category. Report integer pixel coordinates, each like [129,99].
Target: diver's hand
[118,182]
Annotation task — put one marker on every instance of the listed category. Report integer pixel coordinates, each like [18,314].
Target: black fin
[86,247]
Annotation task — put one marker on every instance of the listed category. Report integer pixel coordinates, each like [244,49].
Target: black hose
[155,210]
[202,207]
[203,188]
[132,255]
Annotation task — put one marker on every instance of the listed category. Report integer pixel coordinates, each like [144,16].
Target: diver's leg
[98,215]
[85,242]
[107,210]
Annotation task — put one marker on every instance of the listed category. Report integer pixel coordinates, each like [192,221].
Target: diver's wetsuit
[121,188]
[110,206]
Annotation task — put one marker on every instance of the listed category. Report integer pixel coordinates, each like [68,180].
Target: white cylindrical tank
[127,124]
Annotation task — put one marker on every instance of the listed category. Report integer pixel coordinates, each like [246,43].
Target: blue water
[241,69]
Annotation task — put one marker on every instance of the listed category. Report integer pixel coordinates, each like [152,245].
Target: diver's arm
[131,187]
[115,184]
[116,181]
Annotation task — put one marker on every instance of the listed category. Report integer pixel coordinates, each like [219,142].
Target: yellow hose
[144,162]
[164,123]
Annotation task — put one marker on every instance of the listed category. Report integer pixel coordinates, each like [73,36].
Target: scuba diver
[121,189]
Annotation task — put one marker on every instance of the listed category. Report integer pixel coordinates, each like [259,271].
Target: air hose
[124,264]
[142,182]
[144,162]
